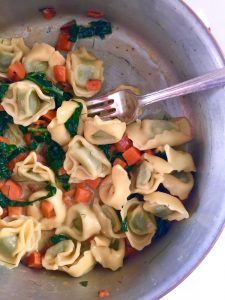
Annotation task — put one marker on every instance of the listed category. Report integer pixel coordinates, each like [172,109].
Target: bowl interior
[155,43]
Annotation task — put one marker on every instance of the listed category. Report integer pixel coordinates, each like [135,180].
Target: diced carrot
[93,85]
[49,115]
[12,190]
[93,183]
[63,42]
[120,162]
[149,152]
[1,108]
[18,158]
[95,14]
[61,171]
[103,293]
[5,213]
[82,195]
[27,138]
[34,260]
[47,209]
[4,139]
[132,156]
[48,13]
[16,72]
[60,73]
[37,123]
[124,144]
[66,27]
[2,182]
[15,210]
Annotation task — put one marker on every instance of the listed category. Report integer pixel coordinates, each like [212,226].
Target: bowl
[155,43]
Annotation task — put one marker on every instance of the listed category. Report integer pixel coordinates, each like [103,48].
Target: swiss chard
[162,228]
[84,283]
[63,180]
[95,28]
[5,202]
[124,225]
[5,120]
[55,156]
[72,123]
[5,151]
[48,87]
[55,239]
[3,89]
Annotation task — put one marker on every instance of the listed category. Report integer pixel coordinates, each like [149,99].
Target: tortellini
[81,67]
[99,132]
[42,58]
[26,103]
[58,205]
[62,254]
[144,180]
[85,161]
[31,169]
[109,253]
[108,219]
[11,51]
[17,237]
[165,206]
[115,188]
[56,127]
[84,264]
[141,224]
[81,223]
[15,135]
[149,134]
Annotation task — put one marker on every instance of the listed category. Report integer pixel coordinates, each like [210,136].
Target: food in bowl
[76,190]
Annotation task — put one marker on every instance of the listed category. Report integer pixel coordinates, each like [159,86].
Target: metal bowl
[154,43]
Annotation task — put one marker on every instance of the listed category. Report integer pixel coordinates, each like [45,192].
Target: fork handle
[197,84]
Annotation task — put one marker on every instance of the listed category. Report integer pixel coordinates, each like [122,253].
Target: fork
[128,106]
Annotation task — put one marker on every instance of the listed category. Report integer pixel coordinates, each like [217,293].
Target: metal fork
[127,106]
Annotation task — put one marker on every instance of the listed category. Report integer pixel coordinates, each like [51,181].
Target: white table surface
[207,282]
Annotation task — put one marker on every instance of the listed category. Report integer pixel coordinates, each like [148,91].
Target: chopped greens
[5,151]
[124,225]
[63,180]
[84,283]
[136,195]
[48,87]
[5,202]
[42,130]
[162,228]
[73,31]
[55,156]
[5,120]
[72,123]
[3,89]
[55,239]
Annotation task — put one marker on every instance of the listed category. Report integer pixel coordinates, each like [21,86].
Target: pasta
[57,204]
[11,51]
[26,103]
[99,132]
[75,190]
[42,58]
[31,169]
[81,67]
[109,253]
[85,161]
[62,254]
[81,223]
[165,206]
[149,134]
[141,224]
[17,237]
[108,219]
[56,127]
[111,191]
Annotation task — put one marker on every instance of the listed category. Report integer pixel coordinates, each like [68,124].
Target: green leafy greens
[124,225]
[5,202]
[72,123]
[55,239]
[3,89]
[84,283]
[48,87]
[5,120]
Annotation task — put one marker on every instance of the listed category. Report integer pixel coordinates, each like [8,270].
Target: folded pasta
[15,135]
[42,58]
[99,132]
[18,236]
[165,206]
[11,51]
[57,128]
[81,67]
[26,103]
[85,161]
[149,134]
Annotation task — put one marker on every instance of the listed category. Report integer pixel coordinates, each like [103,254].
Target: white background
[207,282]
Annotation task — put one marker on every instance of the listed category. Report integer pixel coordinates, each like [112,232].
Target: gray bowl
[154,43]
